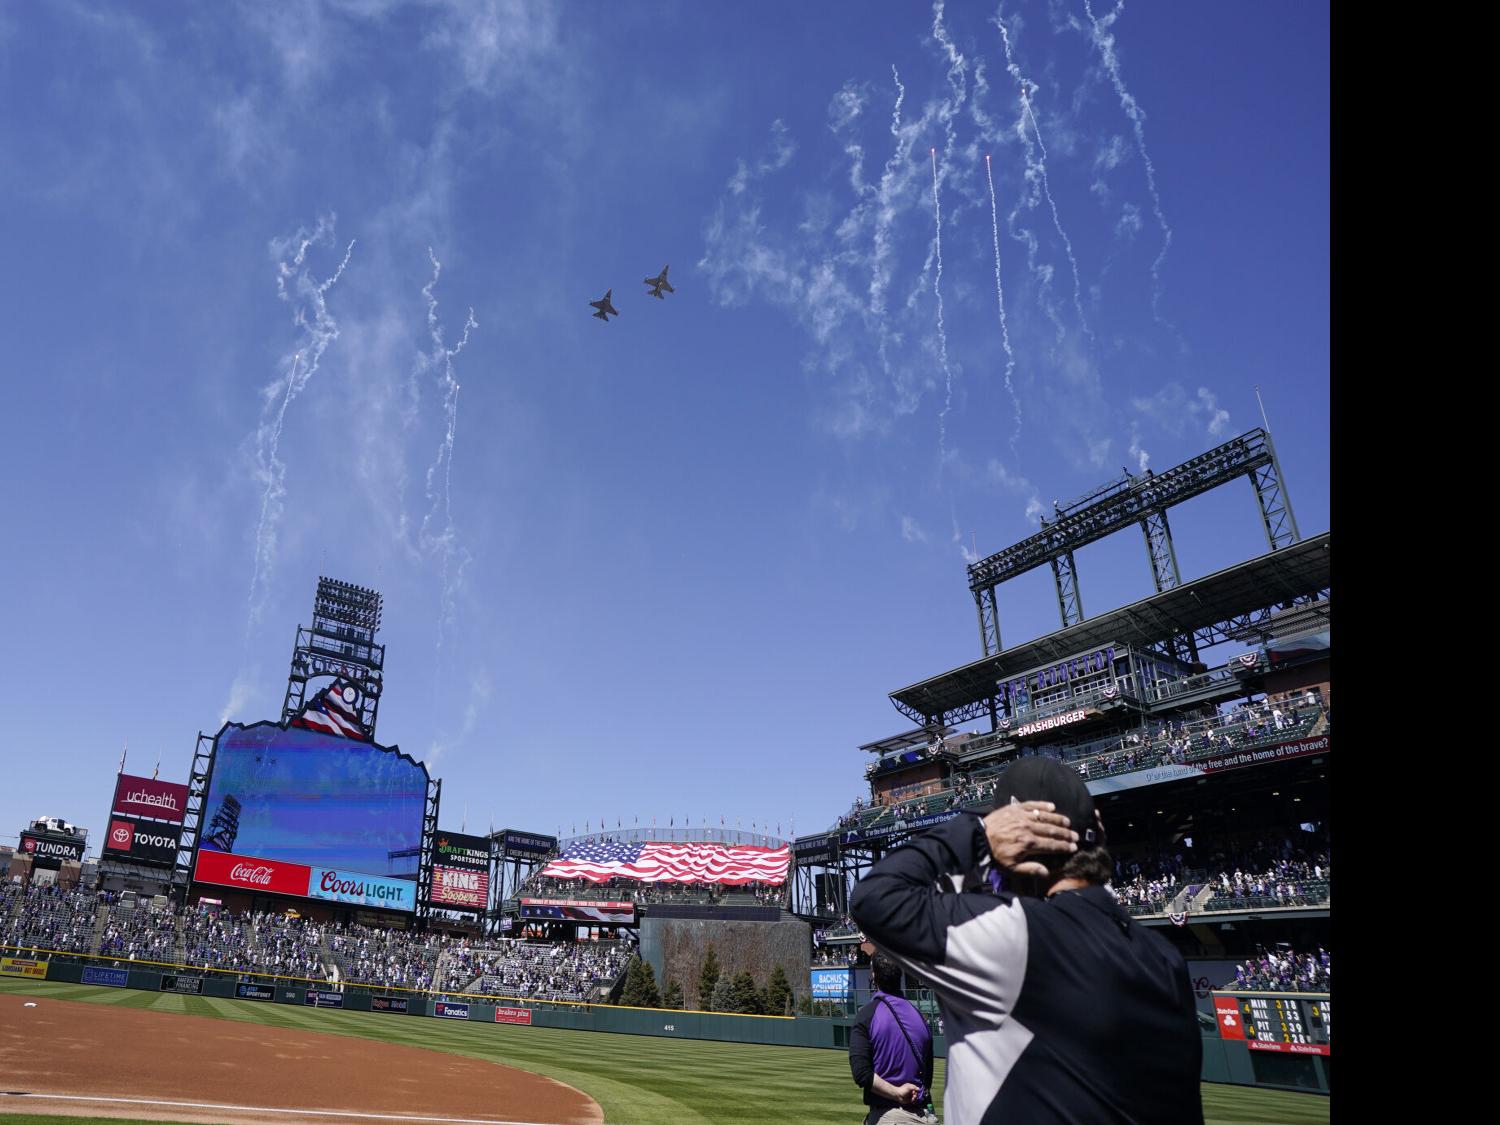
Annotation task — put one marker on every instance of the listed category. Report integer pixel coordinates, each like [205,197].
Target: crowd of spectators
[48,917]
[634,891]
[1285,970]
[394,958]
[525,970]
[136,931]
[213,939]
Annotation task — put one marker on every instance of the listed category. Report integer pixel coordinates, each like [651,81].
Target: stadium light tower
[340,644]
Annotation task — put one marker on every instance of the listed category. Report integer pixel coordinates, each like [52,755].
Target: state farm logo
[121,832]
[1229,1019]
[244,873]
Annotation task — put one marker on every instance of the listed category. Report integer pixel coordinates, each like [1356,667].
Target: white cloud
[911,531]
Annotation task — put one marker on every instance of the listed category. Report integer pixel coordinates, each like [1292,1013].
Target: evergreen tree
[721,1000]
[708,977]
[742,996]
[671,996]
[634,984]
[779,994]
[649,997]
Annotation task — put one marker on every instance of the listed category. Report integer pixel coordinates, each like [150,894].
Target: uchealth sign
[145,796]
[361,889]
[142,841]
[250,874]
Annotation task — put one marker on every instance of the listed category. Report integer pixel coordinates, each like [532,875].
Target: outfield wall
[1225,1061]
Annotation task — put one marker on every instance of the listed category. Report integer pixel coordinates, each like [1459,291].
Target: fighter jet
[658,283]
[606,310]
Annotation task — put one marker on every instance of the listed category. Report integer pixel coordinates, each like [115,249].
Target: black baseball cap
[1047,779]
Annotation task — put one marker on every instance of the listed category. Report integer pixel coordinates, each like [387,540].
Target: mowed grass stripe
[647,1080]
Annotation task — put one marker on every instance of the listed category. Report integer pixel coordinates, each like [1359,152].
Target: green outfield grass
[637,1079]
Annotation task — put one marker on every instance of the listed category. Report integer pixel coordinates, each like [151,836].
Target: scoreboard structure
[1290,1023]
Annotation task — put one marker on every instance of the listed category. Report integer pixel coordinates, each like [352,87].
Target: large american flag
[331,712]
[671,863]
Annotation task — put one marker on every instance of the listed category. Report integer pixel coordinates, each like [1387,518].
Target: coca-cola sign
[146,796]
[249,873]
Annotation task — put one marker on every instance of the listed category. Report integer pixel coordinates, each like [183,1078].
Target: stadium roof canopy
[1243,601]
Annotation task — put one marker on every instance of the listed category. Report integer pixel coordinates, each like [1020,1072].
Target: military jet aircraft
[606,310]
[658,283]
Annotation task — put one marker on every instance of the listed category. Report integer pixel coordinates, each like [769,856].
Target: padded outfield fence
[1224,1060]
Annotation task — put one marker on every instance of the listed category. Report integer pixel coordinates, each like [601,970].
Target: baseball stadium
[290,933]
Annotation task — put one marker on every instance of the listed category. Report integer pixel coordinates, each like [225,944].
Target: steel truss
[429,842]
[1134,499]
[340,644]
[192,817]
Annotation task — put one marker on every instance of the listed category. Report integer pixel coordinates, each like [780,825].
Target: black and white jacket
[1058,1009]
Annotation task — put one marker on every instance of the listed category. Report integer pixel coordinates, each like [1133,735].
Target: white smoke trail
[885,217]
[1029,199]
[441,357]
[1106,44]
[1010,356]
[937,292]
[293,285]
[1037,168]
[1056,222]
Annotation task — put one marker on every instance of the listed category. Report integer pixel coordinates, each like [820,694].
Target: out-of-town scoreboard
[1295,1023]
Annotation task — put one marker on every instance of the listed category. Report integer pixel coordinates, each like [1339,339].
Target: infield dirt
[264,1073]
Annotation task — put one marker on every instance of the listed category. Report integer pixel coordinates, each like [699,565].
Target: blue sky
[675,563]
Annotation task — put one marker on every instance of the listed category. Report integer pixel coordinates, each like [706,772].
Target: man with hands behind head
[1058,1006]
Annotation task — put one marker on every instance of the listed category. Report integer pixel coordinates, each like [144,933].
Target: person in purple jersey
[890,1052]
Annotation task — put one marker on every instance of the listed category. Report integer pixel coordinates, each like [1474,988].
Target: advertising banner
[399,1004]
[527,843]
[43,847]
[190,986]
[513,1015]
[1232,760]
[255,992]
[470,853]
[571,910]
[23,967]
[459,888]
[145,796]
[460,871]
[1227,1009]
[830,984]
[322,998]
[142,841]
[361,889]
[1290,1048]
[450,1011]
[251,874]
[109,978]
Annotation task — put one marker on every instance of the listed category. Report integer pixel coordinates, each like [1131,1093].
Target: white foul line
[273,1109]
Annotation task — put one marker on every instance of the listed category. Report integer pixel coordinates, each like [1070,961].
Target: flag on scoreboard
[671,863]
[332,711]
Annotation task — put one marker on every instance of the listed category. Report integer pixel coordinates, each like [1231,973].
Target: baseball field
[130,1055]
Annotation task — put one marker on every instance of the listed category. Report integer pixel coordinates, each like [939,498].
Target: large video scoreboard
[1295,1023]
